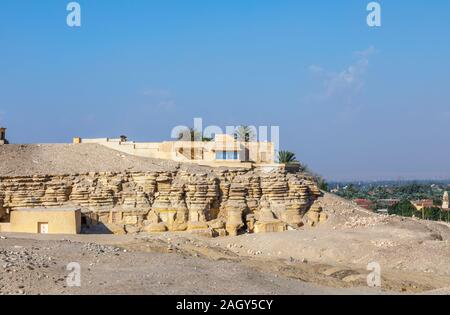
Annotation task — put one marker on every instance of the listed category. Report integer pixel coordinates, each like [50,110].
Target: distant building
[383,211]
[388,202]
[445,202]
[364,203]
[3,136]
[423,204]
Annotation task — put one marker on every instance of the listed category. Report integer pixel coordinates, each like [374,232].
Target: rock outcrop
[128,194]
[218,202]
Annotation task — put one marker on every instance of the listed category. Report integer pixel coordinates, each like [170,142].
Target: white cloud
[345,83]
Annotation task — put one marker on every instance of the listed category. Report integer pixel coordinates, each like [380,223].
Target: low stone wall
[218,202]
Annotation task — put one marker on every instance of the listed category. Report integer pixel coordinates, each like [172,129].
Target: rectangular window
[221,155]
[227,155]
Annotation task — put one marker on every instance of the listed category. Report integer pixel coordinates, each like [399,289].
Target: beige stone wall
[216,202]
[59,222]
[203,153]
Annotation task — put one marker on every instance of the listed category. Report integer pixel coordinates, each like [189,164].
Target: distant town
[427,200]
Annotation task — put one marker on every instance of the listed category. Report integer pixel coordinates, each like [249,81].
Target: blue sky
[353,102]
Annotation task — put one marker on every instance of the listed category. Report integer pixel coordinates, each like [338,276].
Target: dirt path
[414,257]
[32,266]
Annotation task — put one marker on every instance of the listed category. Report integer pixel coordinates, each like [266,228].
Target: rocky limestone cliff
[222,202]
[170,198]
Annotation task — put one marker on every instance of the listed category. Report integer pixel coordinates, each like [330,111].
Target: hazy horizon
[353,102]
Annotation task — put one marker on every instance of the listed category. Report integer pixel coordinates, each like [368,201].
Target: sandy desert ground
[414,257]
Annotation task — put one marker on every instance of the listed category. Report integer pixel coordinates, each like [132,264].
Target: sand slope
[59,159]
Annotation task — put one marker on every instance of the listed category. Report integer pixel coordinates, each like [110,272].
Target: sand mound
[58,159]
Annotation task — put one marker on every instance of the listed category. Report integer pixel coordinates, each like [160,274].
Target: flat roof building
[423,204]
[364,203]
[44,221]
[223,150]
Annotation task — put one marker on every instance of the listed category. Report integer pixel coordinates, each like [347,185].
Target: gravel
[98,249]
[19,258]
[141,269]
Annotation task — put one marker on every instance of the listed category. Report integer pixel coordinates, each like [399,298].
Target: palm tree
[245,134]
[286,157]
[123,138]
[190,134]
[322,183]
[303,168]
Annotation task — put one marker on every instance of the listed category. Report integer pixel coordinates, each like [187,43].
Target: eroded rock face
[219,202]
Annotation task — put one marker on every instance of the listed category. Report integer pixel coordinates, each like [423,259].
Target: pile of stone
[15,259]
[98,249]
[365,221]
[316,215]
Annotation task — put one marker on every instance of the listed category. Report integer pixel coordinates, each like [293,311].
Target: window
[221,155]
[227,155]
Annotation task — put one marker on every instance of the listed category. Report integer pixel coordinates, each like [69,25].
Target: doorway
[43,227]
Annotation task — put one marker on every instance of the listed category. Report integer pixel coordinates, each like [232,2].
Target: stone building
[157,196]
[423,204]
[445,202]
[3,136]
[224,150]
[58,220]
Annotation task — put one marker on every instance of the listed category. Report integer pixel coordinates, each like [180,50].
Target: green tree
[303,168]
[353,189]
[404,208]
[245,133]
[434,214]
[286,157]
[191,134]
[321,182]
